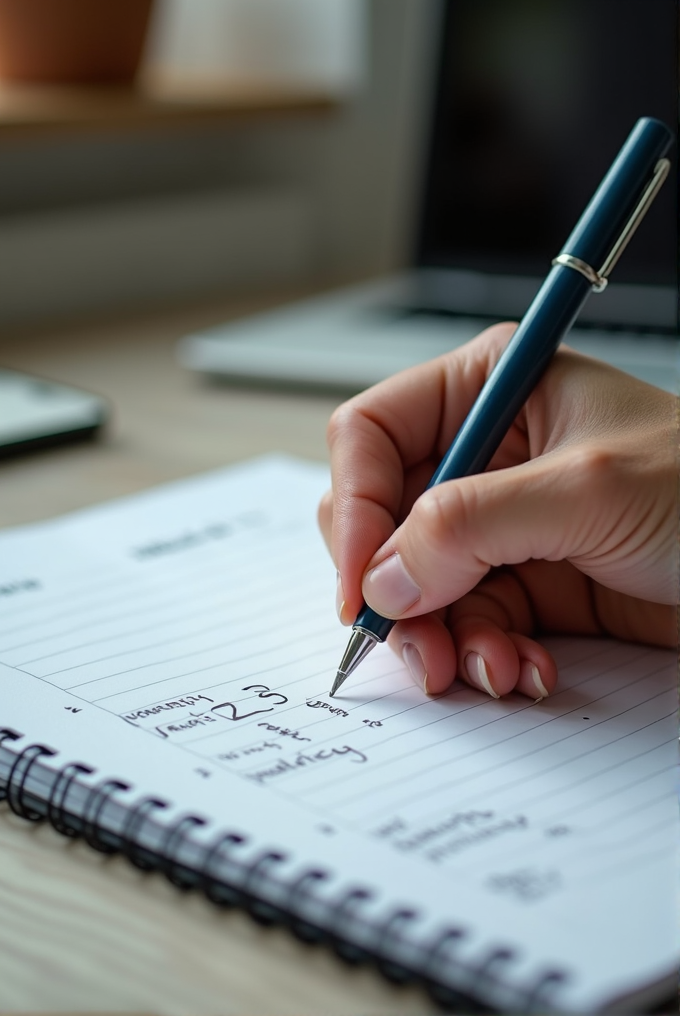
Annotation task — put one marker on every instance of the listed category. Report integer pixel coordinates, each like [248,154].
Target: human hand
[572,529]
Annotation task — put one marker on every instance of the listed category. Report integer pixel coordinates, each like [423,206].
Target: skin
[572,529]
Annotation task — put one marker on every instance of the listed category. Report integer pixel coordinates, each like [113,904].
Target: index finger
[386,442]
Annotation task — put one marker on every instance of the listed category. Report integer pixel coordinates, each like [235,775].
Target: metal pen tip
[340,678]
[358,647]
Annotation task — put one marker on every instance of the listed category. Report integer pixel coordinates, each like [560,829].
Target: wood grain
[81,932]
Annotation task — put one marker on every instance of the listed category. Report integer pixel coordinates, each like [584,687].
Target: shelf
[159,100]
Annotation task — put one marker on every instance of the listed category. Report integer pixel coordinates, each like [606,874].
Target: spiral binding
[538,998]
[348,951]
[16,781]
[440,953]
[390,936]
[56,814]
[93,833]
[298,891]
[260,911]
[6,734]
[215,889]
[142,858]
[171,848]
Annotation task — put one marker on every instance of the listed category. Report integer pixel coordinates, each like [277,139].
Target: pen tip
[339,678]
[359,646]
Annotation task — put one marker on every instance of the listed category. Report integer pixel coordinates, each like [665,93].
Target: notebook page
[178,614]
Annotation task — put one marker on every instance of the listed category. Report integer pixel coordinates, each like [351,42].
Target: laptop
[531,103]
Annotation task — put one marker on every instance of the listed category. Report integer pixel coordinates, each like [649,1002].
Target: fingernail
[389,588]
[414,662]
[340,599]
[478,674]
[535,676]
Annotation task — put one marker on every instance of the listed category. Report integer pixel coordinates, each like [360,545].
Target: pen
[599,238]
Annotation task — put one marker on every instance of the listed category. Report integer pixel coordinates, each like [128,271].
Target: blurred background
[262,145]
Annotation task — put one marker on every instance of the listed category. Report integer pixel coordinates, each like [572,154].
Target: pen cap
[614,200]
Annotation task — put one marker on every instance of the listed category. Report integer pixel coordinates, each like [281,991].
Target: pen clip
[598,280]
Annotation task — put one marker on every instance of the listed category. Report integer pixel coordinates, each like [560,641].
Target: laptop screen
[534,100]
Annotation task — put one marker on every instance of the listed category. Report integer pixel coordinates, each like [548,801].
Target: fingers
[610,514]
[608,507]
[345,611]
[491,627]
[385,443]
[584,483]
[483,638]
[477,651]
[425,646]
[457,531]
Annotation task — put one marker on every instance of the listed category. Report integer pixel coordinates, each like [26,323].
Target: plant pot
[72,41]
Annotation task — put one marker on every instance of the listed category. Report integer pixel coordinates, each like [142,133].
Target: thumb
[545,509]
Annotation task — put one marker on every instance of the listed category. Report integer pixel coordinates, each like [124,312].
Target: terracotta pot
[70,41]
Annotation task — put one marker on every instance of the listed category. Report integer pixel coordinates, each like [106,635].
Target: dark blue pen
[599,238]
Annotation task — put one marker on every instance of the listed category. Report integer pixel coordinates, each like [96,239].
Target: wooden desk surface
[80,932]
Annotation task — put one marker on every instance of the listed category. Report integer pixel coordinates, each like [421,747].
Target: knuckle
[591,463]
[342,422]
[442,513]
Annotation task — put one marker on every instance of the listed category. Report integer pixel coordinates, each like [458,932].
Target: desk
[78,931]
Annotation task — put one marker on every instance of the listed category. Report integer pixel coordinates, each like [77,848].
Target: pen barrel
[518,371]
[548,319]
[612,204]
[376,624]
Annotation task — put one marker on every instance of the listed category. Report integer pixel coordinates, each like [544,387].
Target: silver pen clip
[598,280]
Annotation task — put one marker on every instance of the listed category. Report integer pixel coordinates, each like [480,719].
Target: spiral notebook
[161,697]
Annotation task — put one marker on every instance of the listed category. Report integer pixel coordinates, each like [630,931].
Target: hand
[572,529]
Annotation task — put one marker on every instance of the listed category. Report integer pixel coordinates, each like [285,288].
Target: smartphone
[35,412]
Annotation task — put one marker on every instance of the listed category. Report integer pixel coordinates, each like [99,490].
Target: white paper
[200,616]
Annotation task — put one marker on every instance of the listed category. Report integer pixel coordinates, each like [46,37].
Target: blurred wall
[101,223]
